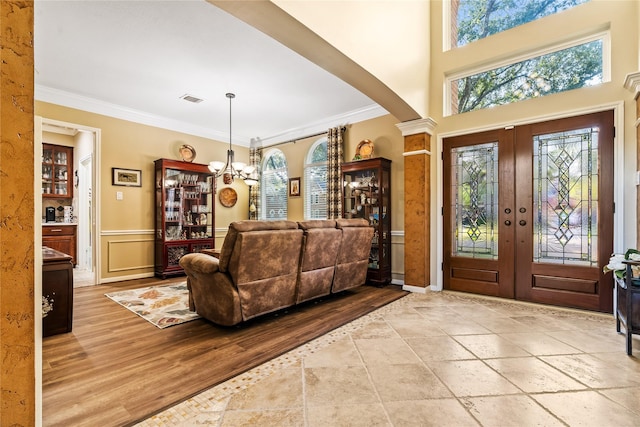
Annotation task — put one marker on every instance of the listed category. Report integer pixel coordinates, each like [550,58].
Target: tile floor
[82,278]
[442,358]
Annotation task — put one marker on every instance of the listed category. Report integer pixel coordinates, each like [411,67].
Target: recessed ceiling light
[191,98]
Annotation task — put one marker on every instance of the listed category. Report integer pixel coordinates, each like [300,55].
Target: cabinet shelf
[183,196]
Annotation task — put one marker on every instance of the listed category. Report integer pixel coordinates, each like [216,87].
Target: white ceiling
[135,59]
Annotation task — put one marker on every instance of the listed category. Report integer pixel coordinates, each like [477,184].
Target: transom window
[473,20]
[568,67]
[315,181]
[274,186]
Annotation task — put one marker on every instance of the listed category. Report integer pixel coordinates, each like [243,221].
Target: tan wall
[388,38]
[126,226]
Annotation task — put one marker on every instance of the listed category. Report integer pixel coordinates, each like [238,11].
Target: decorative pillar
[17,338]
[417,203]
[632,82]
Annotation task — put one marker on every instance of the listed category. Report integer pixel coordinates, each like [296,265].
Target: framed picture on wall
[294,187]
[126,177]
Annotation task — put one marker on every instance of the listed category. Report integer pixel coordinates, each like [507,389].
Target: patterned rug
[164,306]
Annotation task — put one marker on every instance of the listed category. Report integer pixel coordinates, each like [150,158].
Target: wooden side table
[57,291]
[628,304]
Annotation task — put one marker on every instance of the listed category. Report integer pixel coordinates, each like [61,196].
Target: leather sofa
[265,266]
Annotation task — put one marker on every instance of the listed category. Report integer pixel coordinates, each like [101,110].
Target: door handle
[523,222]
[507,222]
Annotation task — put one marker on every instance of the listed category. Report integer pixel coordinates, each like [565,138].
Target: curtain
[335,142]
[255,159]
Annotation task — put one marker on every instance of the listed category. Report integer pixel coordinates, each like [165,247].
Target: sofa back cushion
[263,264]
[353,257]
[320,247]
[244,226]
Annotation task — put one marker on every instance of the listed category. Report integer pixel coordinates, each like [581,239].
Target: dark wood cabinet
[57,292]
[61,237]
[367,194]
[628,302]
[57,171]
[185,214]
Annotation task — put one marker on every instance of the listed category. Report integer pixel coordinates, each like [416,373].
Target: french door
[528,212]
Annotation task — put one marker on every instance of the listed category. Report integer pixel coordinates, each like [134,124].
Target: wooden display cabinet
[57,171]
[367,194]
[185,214]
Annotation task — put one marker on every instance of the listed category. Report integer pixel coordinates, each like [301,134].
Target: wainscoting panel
[126,254]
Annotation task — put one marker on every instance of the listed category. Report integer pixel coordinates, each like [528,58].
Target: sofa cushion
[317,223]
[318,258]
[243,226]
[353,257]
[264,267]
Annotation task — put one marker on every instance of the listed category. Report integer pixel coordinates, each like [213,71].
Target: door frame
[95,172]
[619,232]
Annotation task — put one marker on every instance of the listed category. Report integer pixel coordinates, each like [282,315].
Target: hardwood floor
[117,369]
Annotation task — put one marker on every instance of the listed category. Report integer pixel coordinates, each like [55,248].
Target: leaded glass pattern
[565,183]
[474,194]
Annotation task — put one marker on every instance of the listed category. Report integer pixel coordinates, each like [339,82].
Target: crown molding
[371,112]
[632,82]
[414,127]
[72,100]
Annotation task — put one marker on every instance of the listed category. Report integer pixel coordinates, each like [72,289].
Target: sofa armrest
[200,263]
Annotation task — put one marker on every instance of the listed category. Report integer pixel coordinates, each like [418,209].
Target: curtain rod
[343,128]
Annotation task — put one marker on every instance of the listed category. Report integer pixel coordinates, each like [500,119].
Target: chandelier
[232,169]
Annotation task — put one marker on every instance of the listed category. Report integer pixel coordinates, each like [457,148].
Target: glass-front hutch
[185,214]
[57,171]
[367,194]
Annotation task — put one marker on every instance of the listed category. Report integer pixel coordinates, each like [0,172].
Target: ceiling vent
[191,98]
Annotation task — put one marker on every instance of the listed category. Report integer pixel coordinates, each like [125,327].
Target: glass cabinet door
[184,213]
[187,205]
[57,171]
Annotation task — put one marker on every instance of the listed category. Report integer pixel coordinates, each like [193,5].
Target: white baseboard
[414,289]
[122,278]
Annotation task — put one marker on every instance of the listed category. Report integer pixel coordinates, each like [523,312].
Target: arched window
[315,181]
[274,186]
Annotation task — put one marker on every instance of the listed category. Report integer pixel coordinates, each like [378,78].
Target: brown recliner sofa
[265,266]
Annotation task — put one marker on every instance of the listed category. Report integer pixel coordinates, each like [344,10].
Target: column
[17,317]
[417,203]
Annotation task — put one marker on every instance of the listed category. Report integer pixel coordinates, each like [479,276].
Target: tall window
[274,185]
[315,181]
[473,20]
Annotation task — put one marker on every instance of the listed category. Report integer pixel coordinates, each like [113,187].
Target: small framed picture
[126,177]
[294,187]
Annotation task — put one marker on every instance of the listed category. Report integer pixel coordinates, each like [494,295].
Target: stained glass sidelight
[474,194]
[565,210]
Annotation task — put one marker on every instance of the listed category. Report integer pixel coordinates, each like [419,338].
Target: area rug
[163,306]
